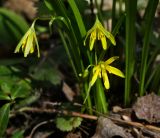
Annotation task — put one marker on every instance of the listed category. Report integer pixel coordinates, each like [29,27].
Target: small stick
[92,117]
[64,112]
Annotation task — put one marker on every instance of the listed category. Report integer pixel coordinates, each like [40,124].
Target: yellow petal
[23,47]
[115,71]
[102,37]
[110,60]
[36,43]
[104,42]
[95,75]
[29,44]
[105,79]
[92,40]
[89,33]
[22,42]
[32,49]
[106,33]
[109,36]
[91,44]
[95,68]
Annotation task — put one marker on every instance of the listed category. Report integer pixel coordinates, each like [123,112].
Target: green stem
[68,52]
[89,103]
[100,98]
[99,12]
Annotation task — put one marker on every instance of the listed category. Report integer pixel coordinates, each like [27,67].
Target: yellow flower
[101,69]
[28,42]
[98,32]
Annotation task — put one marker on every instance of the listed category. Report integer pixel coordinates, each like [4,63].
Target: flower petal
[32,48]
[115,71]
[91,44]
[104,42]
[109,36]
[95,68]
[110,60]
[105,79]
[88,33]
[95,75]
[22,41]
[29,44]
[35,39]
[92,39]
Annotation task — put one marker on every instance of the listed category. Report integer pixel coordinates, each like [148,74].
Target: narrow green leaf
[78,17]
[12,26]
[48,5]
[156,79]
[4,118]
[149,17]
[131,7]
[71,33]
[21,90]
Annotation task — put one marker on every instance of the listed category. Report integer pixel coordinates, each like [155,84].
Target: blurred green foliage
[12,26]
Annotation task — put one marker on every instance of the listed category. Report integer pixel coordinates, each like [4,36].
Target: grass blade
[149,17]
[78,17]
[131,7]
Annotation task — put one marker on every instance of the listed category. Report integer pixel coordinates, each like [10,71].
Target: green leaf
[12,84]
[47,73]
[12,26]
[4,71]
[18,134]
[78,17]
[43,10]
[6,84]
[4,96]
[76,121]
[68,124]
[82,5]
[101,102]
[48,4]
[28,100]
[5,87]
[21,89]
[131,10]
[4,118]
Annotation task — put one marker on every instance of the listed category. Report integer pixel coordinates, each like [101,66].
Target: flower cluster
[98,32]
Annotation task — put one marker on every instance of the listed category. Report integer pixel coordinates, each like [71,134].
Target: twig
[64,112]
[37,126]
[92,117]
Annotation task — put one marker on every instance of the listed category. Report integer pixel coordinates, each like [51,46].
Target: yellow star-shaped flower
[28,42]
[98,32]
[101,69]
